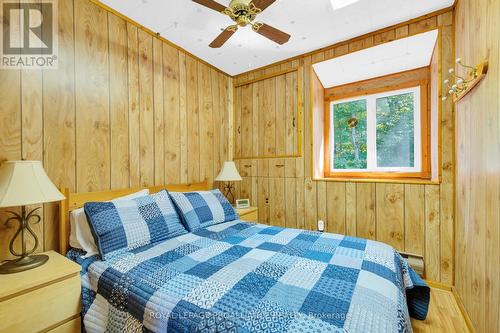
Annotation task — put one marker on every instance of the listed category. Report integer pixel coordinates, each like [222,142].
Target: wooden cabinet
[267,114]
[46,298]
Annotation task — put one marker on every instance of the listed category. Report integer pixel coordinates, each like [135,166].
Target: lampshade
[26,183]
[229,173]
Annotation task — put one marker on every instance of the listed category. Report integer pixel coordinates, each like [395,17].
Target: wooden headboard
[77,200]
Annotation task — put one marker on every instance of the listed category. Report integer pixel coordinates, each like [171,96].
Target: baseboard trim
[461,306]
[438,285]
[453,290]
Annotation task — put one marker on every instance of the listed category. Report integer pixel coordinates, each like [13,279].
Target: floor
[444,315]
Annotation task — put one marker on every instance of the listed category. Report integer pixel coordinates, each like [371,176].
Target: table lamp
[24,183]
[229,174]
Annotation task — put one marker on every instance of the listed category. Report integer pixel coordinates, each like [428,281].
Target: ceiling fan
[243,13]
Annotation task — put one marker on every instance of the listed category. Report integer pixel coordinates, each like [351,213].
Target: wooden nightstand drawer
[72,326]
[250,214]
[46,298]
[41,308]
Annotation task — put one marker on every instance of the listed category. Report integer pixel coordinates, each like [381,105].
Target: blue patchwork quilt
[246,277]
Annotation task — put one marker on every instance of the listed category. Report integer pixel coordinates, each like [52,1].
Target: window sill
[379,180]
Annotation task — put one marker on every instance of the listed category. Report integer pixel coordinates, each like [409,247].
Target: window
[382,135]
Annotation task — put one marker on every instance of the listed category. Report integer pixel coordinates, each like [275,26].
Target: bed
[248,277]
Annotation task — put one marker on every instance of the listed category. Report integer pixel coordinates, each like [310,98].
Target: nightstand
[46,298]
[250,214]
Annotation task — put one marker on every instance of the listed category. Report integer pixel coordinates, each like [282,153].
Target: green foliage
[395,131]
[344,148]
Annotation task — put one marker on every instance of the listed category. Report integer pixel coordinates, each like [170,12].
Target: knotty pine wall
[478,167]
[417,218]
[124,109]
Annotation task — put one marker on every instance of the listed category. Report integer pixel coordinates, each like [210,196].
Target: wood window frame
[424,84]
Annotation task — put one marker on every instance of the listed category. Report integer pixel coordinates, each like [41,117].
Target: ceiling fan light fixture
[338,4]
[243,13]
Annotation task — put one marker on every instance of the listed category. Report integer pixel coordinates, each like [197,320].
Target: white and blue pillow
[203,208]
[129,224]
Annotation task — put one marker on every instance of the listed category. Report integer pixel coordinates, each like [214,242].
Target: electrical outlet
[321,225]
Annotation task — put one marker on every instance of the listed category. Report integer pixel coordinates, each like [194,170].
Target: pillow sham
[80,236]
[129,224]
[201,209]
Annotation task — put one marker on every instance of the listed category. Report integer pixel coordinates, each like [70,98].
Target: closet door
[266,114]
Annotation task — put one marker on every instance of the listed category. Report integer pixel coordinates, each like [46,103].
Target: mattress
[246,277]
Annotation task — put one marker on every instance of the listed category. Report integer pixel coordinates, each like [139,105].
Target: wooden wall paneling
[206,123]
[147,126]
[290,167]
[307,137]
[290,113]
[254,111]
[280,115]
[299,139]
[263,168]
[183,110]
[301,208]
[432,255]
[59,137]
[366,215]
[133,106]
[350,209]
[255,192]
[322,202]
[159,116]
[390,214]
[245,125]
[310,204]
[238,110]
[290,203]
[478,178]
[217,121]
[263,200]
[92,97]
[118,102]
[269,117]
[226,99]
[10,142]
[447,160]
[172,115]
[277,201]
[193,129]
[462,194]
[32,132]
[246,191]
[492,134]
[414,219]
[336,207]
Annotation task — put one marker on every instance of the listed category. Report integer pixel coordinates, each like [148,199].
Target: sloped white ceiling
[312,23]
[384,59]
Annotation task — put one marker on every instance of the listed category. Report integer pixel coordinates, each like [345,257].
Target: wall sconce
[460,86]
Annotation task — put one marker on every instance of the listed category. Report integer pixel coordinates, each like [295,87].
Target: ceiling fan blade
[223,37]
[263,4]
[211,4]
[273,34]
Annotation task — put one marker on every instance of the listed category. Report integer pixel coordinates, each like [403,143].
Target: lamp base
[23,264]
